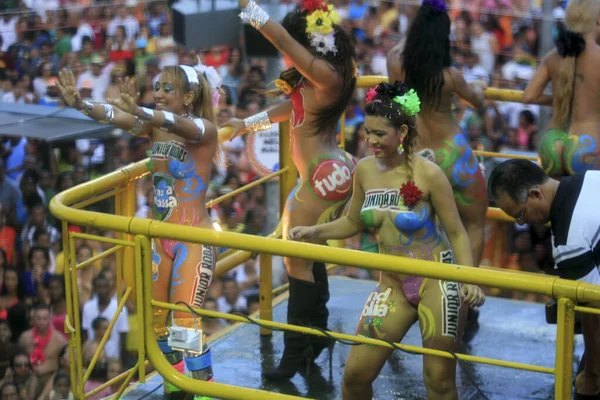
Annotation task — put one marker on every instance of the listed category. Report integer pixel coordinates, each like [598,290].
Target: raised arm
[318,71]
[470,94]
[261,121]
[101,112]
[197,130]
[534,93]
[342,228]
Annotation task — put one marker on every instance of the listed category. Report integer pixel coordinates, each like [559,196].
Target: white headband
[211,75]
[192,75]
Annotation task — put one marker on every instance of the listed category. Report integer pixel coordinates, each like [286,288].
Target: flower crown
[320,19]
[409,101]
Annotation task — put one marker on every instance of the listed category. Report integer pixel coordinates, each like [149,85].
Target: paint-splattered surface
[509,330]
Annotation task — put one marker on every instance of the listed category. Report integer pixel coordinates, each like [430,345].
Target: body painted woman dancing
[399,194]
[425,66]
[184,138]
[571,145]
[320,84]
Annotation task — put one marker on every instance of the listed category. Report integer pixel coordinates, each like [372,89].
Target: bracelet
[254,15]
[109,113]
[169,122]
[137,126]
[200,132]
[88,107]
[258,122]
[147,114]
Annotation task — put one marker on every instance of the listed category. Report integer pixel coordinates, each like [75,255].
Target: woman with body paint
[571,144]
[424,64]
[320,83]
[184,143]
[400,194]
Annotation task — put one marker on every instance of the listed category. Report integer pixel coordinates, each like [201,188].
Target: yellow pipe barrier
[498,215]
[127,380]
[139,308]
[75,301]
[563,385]
[101,239]
[266,297]
[245,188]
[107,334]
[112,381]
[288,182]
[97,198]
[343,131]
[125,272]
[69,306]
[166,370]
[100,256]
[502,155]
[362,339]
[587,310]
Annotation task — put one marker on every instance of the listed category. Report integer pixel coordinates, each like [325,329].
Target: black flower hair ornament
[569,43]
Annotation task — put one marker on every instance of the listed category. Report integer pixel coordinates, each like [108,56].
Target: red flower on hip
[411,194]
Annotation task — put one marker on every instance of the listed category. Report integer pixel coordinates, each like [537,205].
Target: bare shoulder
[364,165]
[427,169]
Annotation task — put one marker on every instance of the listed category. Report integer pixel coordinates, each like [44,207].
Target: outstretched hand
[302,233]
[129,96]
[473,295]
[238,126]
[67,86]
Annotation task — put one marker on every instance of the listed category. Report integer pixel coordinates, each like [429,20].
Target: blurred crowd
[103,41]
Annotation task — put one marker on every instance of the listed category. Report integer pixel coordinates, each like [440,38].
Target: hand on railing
[237,125]
[299,233]
[479,84]
[473,295]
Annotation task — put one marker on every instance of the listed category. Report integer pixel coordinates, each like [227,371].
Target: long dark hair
[343,62]
[426,54]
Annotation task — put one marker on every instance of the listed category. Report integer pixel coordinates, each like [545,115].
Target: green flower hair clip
[409,102]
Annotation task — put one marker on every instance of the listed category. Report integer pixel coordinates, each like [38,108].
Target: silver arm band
[88,107]
[137,126]
[258,122]
[200,132]
[169,123]
[147,114]
[109,113]
[254,15]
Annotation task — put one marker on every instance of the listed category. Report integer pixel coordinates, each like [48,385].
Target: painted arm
[343,228]
[101,112]
[442,200]
[473,96]
[534,93]
[318,71]
[196,131]
[261,121]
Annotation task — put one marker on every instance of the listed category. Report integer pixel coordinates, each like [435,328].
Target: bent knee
[438,379]
[358,377]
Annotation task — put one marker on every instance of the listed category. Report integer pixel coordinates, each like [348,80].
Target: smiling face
[381,136]
[169,92]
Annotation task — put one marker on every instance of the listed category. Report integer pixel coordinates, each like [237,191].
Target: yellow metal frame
[132,247]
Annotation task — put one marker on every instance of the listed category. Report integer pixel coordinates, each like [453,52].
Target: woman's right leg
[386,315]
[303,291]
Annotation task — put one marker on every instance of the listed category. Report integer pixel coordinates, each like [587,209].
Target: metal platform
[509,330]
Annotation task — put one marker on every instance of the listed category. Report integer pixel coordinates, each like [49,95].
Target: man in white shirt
[96,77]
[105,305]
[132,26]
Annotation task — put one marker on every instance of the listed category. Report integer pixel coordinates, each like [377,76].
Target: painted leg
[386,315]
[442,315]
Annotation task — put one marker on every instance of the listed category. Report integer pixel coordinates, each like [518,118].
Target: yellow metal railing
[133,248]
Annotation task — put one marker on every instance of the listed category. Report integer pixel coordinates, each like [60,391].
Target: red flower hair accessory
[411,194]
[371,94]
[313,5]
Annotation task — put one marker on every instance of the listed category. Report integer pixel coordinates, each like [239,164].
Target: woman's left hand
[473,295]
[244,3]
[128,99]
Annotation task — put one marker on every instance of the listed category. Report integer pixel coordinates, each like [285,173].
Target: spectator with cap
[97,77]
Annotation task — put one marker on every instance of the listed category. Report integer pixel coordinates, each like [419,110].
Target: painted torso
[180,180]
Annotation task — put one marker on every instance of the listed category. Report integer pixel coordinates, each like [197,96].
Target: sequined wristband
[88,107]
[147,114]
[258,122]
[254,15]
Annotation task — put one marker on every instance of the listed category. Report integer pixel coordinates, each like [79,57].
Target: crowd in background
[103,41]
